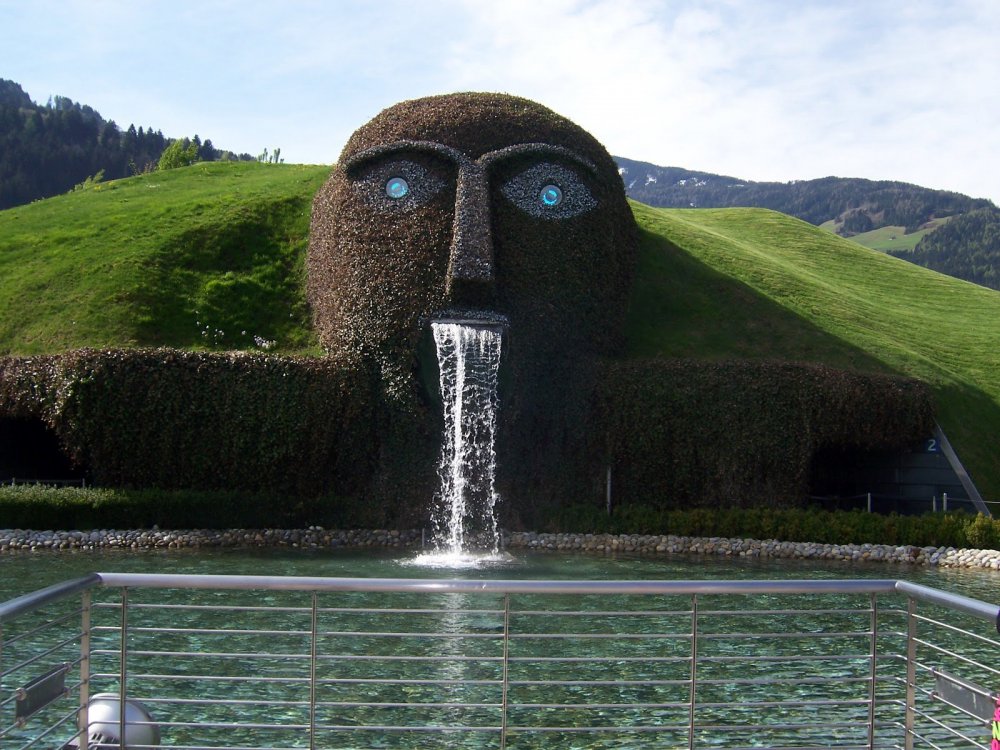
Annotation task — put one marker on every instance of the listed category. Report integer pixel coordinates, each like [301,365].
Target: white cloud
[900,89]
[763,90]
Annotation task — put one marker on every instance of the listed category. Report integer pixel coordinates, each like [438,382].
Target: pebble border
[14,541]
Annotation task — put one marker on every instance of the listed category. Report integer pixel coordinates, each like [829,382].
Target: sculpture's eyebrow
[540,149]
[398,147]
[457,157]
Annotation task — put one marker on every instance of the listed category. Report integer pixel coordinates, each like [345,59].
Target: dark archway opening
[30,451]
[842,476]
[912,480]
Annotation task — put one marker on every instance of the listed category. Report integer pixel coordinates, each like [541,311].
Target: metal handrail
[501,586]
[38,599]
[679,679]
[974,607]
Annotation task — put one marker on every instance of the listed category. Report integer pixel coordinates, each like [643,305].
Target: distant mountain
[47,150]
[851,207]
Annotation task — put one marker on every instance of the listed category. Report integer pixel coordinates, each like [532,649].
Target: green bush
[42,507]
[180,153]
[983,533]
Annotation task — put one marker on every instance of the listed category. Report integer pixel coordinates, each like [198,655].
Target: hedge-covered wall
[684,433]
[174,419]
[677,433]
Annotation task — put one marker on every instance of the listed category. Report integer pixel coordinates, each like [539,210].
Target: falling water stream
[463,516]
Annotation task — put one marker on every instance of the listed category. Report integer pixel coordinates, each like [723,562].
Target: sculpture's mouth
[454,324]
[472,318]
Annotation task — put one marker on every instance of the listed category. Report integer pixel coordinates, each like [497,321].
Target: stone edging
[14,541]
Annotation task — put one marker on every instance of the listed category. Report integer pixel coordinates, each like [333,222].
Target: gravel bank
[15,541]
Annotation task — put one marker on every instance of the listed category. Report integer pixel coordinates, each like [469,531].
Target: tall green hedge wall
[676,433]
[683,433]
[175,419]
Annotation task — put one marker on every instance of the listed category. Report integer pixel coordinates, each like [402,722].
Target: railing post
[314,631]
[83,717]
[506,673]
[608,489]
[123,667]
[911,670]
[694,669]
[873,673]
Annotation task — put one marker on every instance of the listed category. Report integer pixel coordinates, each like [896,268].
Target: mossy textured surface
[683,433]
[473,239]
[379,269]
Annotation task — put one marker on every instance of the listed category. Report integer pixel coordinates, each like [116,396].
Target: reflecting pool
[24,572]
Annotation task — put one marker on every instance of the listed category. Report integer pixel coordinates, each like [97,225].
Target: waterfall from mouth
[468,360]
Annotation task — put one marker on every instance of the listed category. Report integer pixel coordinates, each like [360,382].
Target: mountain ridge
[815,200]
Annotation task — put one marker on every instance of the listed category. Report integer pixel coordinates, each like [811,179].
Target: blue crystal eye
[551,195]
[397,188]
[549,191]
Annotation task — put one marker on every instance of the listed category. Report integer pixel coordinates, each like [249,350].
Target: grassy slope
[848,305]
[154,260]
[191,257]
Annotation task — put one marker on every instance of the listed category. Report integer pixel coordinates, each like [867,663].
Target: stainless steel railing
[292,662]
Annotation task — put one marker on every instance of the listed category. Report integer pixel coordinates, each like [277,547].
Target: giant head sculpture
[470,206]
[486,208]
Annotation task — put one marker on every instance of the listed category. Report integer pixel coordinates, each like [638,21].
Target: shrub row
[736,433]
[785,524]
[74,508]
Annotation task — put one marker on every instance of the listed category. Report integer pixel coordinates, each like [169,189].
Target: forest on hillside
[46,150]
[858,205]
[965,247]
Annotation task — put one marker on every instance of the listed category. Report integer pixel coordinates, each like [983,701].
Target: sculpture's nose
[470,264]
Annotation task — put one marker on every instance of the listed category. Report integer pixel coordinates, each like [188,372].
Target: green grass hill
[212,257]
[208,256]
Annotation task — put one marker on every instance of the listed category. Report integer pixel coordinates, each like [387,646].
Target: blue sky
[755,89]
